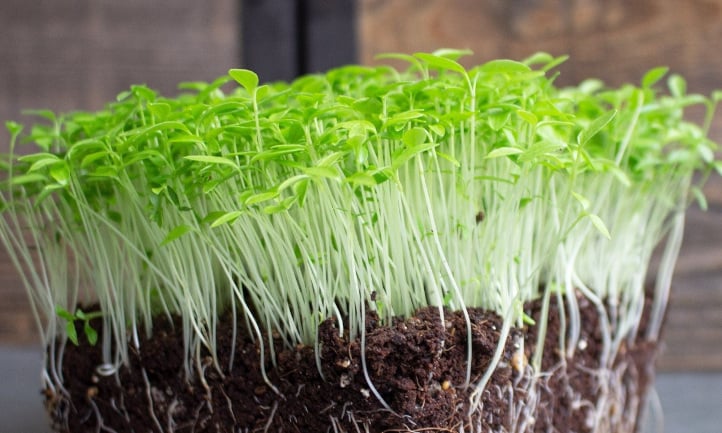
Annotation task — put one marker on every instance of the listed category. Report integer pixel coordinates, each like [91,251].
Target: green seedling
[70,324]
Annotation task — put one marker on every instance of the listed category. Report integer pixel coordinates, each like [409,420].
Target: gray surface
[691,402]
[21,409]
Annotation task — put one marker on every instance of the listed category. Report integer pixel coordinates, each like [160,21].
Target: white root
[101,425]
[270,417]
[149,396]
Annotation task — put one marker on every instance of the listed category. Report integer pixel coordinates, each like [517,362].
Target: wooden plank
[330,34]
[284,39]
[270,37]
[613,40]
[79,54]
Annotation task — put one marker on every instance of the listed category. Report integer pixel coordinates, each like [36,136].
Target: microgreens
[289,203]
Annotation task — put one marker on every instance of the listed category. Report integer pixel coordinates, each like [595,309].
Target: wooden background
[78,54]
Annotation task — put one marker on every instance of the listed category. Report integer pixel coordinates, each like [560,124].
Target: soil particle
[417,370]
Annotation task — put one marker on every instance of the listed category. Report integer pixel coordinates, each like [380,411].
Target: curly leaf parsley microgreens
[290,203]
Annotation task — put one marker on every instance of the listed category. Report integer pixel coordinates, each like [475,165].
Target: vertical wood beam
[282,39]
[269,38]
[330,34]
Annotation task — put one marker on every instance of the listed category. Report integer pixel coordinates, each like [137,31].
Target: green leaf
[700,197]
[401,157]
[28,178]
[300,190]
[653,76]
[452,53]
[705,152]
[527,319]
[281,206]
[90,333]
[176,233]
[262,91]
[595,127]
[403,118]
[321,172]
[442,63]
[60,172]
[291,181]
[212,216]
[277,151]
[143,92]
[547,60]
[44,162]
[246,78]
[45,193]
[677,85]
[414,137]
[64,314]
[528,117]
[212,160]
[503,66]
[503,151]
[45,114]
[449,158]
[159,109]
[413,61]
[718,167]
[362,179]
[34,157]
[122,95]
[330,159]
[92,157]
[260,197]
[582,200]
[72,333]
[599,225]
[13,127]
[226,218]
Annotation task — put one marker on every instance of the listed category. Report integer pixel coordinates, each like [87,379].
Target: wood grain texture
[79,54]
[616,41]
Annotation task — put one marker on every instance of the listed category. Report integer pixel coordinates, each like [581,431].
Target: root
[230,405]
[149,396]
[270,417]
[170,422]
[207,361]
[101,425]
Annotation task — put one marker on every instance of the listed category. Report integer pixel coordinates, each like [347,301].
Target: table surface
[691,402]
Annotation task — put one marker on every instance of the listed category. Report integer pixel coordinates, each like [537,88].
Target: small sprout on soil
[90,333]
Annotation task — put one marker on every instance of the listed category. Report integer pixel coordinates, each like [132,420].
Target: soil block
[418,367]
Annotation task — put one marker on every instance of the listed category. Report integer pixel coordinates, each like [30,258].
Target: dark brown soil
[417,366]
